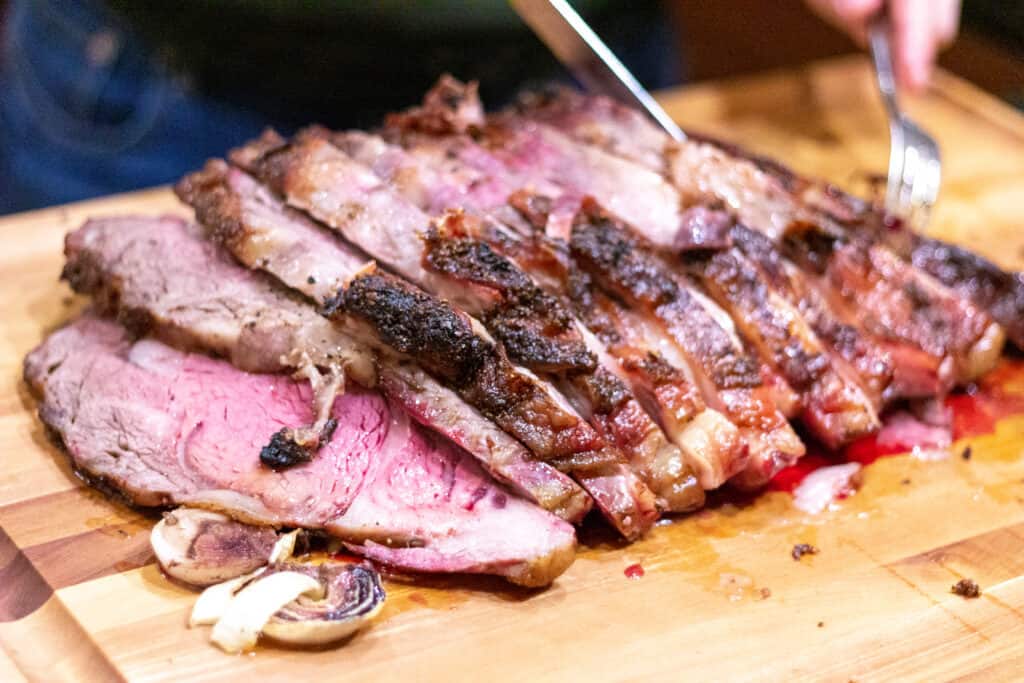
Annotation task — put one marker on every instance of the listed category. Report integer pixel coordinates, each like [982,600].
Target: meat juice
[634,571]
[974,411]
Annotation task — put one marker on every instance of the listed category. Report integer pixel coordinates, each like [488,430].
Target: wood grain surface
[721,598]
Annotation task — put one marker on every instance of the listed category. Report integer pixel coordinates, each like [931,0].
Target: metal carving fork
[915,166]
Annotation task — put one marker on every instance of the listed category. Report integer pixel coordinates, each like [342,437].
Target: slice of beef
[468,360]
[161,272]
[660,377]
[598,121]
[315,177]
[535,329]
[956,331]
[411,322]
[896,302]
[866,358]
[446,343]
[239,328]
[835,408]
[625,266]
[457,351]
[696,167]
[165,427]
[629,350]
[999,292]
[148,271]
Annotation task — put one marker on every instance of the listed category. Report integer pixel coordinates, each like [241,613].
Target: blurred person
[101,97]
[920,28]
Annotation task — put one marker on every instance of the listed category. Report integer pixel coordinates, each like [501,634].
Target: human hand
[920,28]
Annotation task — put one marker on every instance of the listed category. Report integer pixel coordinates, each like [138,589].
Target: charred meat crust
[610,406]
[972,276]
[416,324]
[625,264]
[834,406]
[534,327]
[739,288]
[287,448]
[444,343]
[891,299]
[449,107]
[873,365]
[804,202]
[217,209]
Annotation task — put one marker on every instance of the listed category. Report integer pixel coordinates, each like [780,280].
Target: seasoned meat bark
[539,327]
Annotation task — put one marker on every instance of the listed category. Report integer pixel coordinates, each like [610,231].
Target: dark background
[989,51]
[234,73]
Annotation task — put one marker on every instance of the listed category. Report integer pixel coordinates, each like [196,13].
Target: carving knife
[586,56]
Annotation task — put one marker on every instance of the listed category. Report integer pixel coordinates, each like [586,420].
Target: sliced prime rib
[935,319]
[256,228]
[630,348]
[161,277]
[539,325]
[886,297]
[869,361]
[166,427]
[835,407]
[661,379]
[571,167]
[466,175]
[445,341]
[999,292]
[625,266]
[149,269]
[632,352]
[769,198]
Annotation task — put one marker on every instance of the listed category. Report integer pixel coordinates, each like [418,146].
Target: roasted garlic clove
[250,609]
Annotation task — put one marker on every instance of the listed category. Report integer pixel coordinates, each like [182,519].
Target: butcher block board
[721,597]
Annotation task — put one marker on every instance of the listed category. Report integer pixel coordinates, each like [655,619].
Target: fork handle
[879,31]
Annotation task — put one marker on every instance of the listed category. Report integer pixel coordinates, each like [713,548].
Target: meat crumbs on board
[801,549]
[967,588]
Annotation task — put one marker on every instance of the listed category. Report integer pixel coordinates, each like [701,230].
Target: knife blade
[587,57]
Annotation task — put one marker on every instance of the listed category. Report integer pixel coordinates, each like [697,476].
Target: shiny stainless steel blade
[576,45]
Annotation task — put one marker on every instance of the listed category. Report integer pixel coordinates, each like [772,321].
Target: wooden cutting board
[721,598]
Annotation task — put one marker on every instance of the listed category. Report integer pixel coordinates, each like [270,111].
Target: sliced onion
[284,548]
[821,487]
